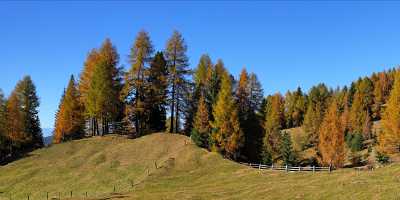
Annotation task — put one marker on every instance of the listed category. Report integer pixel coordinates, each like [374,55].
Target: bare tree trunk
[177,116]
[171,128]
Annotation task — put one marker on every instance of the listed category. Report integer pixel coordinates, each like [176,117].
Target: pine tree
[248,98]
[98,100]
[287,153]
[26,91]
[256,93]
[199,88]
[177,62]
[59,123]
[274,123]
[102,104]
[22,120]
[361,107]
[382,86]
[389,138]
[227,137]
[201,127]
[15,126]
[3,137]
[201,73]
[214,79]
[134,91]
[156,93]
[253,129]
[295,108]
[317,104]
[87,74]
[69,120]
[331,137]
[243,96]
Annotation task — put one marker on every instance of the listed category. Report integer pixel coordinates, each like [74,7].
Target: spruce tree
[201,127]
[227,136]
[248,98]
[287,153]
[389,138]
[26,91]
[177,62]
[156,93]
[253,128]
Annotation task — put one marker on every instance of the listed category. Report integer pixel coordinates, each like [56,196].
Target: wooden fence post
[313,169]
[272,166]
[330,169]
[287,169]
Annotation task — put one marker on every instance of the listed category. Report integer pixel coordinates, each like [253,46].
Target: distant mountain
[47,136]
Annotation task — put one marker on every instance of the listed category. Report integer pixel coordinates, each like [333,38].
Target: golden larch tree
[331,137]
[389,138]
[227,136]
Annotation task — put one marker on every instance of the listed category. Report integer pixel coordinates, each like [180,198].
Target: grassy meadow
[168,166]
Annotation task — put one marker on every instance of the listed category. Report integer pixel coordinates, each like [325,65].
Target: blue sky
[287,44]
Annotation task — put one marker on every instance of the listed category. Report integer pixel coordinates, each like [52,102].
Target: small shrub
[266,157]
[382,158]
[357,142]
[199,139]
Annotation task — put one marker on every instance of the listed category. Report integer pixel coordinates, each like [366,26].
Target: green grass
[183,171]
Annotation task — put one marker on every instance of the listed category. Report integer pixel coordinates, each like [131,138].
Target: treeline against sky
[20,130]
[160,93]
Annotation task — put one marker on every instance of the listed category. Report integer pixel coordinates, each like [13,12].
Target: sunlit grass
[165,166]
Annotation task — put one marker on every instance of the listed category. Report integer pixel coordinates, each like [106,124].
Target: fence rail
[287,168]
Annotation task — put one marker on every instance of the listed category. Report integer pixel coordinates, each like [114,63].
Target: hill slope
[166,166]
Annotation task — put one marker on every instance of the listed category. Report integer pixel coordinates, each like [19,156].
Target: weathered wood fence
[288,168]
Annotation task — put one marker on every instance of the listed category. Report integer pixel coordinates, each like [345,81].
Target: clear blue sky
[287,44]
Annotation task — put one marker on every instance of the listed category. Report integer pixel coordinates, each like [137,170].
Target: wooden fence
[288,168]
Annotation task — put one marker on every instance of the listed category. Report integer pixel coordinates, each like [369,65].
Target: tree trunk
[177,116]
[171,128]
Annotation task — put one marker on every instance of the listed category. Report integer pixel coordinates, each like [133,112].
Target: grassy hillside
[177,170]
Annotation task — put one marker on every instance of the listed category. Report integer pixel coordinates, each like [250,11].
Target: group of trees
[134,102]
[20,130]
[160,92]
[334,119]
